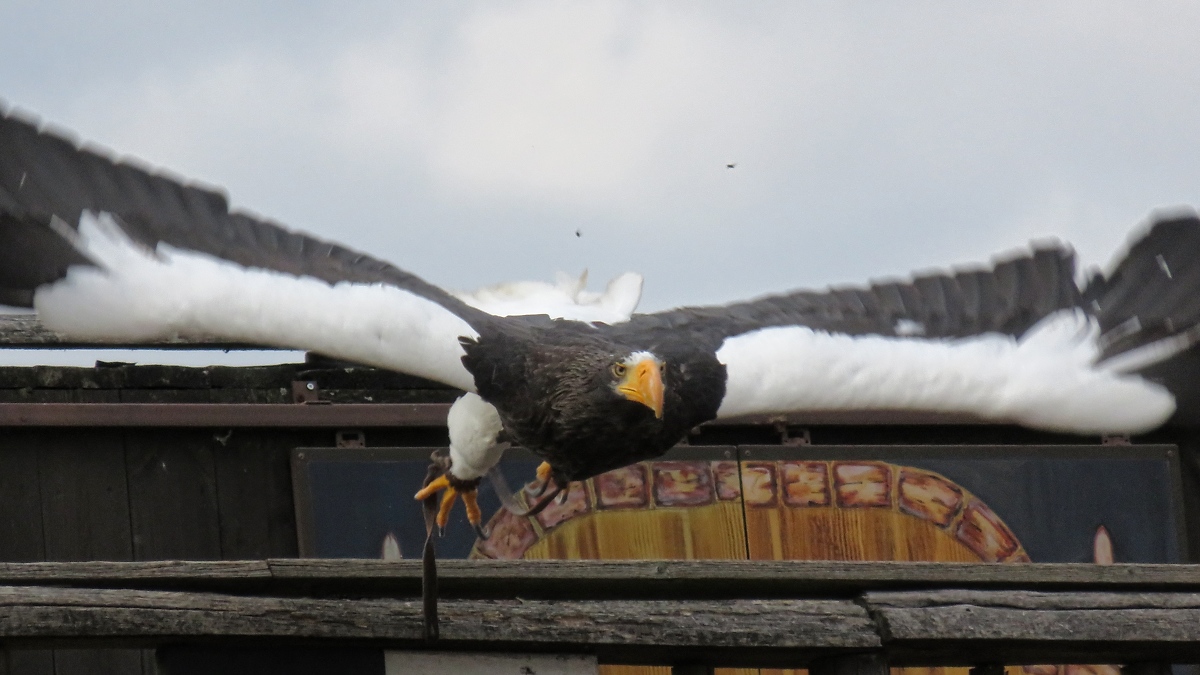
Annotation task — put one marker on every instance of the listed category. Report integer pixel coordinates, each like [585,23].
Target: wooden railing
[826,615]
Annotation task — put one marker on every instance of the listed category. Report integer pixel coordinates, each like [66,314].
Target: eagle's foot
[454,488]
[544,474]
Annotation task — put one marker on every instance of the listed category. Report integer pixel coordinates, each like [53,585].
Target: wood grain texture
[581,578]
[1014,626]
[172,495]
[741,626]
[21,535]
[708,532]
[254,493]
[85,513]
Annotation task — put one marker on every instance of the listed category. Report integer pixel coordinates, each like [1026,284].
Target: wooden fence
[125,468]
[862,616]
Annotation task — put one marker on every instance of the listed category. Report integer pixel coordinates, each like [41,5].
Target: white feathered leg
[474,427]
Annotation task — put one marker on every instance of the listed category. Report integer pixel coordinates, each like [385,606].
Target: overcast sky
[469,141]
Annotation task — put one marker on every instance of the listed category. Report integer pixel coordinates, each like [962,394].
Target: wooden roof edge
[24,331]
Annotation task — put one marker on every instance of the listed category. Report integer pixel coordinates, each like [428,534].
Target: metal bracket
[1115,439]
[306,391]
[350,438]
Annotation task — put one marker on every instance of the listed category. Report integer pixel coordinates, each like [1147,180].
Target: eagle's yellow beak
[643,383]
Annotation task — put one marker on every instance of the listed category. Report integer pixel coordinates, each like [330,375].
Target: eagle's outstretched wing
[1016,341]
[111,250]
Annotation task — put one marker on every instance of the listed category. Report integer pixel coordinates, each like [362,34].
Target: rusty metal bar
[223,415]
[359,415]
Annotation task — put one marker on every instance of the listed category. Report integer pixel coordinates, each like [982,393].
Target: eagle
[109,249]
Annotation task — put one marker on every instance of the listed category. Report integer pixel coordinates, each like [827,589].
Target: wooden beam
[961,627]
[583,579]
[729,632]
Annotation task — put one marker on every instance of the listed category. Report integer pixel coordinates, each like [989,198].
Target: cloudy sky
[470,141]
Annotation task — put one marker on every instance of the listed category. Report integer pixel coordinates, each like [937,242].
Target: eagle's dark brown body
[551,383]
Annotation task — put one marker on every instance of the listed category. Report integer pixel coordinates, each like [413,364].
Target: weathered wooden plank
[85,502]
[963,627]
[30,661]
[85,511]
[106,573]
[254,494]
[24,330]
[732,578]
[21,537]
[606,578]
[746,632]
[173,495]
[97,662]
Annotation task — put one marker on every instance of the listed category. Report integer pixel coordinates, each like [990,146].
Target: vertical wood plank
[85,513]
[254,493]
[85,499]
[172,494]
[21,537]
[97,661]
[30,661]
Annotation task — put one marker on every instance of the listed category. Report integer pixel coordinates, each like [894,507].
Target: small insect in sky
[578,233]
[731,166]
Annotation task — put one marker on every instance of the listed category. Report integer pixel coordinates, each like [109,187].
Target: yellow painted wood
[713,532]
[828,533]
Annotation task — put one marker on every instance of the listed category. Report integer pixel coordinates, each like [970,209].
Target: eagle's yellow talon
[474,515]
[448,500]
[451,494]
[439,483]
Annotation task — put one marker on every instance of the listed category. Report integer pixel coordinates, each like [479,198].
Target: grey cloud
[468,144]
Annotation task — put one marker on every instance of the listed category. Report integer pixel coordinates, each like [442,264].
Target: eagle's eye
[619,369]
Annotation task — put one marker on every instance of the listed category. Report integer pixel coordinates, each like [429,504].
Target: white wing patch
[1046,380]
[567,298]
[137,294]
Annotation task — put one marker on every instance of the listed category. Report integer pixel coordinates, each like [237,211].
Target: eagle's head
[638,377]
[598,384]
